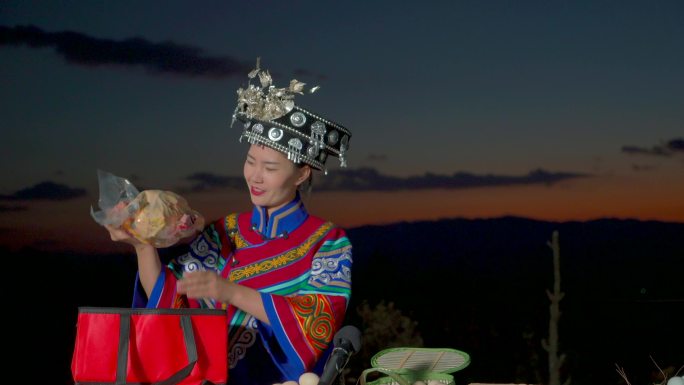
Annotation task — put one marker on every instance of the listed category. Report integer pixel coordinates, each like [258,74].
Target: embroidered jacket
[299,263]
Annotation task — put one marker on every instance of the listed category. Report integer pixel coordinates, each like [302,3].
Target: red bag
[150,346]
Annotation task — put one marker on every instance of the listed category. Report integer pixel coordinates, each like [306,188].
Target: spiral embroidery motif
[244,338]
[325,270]
[201,247]
[189,263]
[314,314]
[202,256]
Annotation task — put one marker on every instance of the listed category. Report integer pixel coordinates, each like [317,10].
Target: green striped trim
[237,320]
[288,287]
[332,287]
[345,294]
[333,245]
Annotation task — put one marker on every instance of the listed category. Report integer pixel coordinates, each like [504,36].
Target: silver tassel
[317,133]
[343,150]
[294,150]
[343,160]
[257,128]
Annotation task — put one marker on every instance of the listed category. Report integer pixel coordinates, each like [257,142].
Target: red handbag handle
[122,357]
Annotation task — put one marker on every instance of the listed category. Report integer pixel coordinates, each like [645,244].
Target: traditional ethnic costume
[299,263]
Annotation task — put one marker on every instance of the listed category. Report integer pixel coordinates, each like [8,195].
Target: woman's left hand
[204,284]
[208,284]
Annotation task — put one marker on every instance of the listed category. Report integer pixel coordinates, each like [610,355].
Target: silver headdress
[272,118]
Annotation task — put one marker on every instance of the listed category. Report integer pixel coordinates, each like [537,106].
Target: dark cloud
[207,181]
[666,149]
[368,179]
[376,158]
[166,57]
[642,167]
[676,145]
[9,209]
[47,190]
[655,150]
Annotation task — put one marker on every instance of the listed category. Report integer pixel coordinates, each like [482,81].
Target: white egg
[434,382]
[676,381]
[308,379]
[290,383]
[419,383]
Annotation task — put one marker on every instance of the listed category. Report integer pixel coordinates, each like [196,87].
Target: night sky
[555,110]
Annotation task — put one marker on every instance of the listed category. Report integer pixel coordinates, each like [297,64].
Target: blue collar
[282,221]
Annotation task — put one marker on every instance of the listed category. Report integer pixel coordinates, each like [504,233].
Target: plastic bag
[159,218]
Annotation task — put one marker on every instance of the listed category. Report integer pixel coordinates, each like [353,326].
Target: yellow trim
[279,260]
[234,232]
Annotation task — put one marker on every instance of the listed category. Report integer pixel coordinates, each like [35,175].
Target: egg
[308,379]
[676,381]
[419,383]
[290,383]
[434,382]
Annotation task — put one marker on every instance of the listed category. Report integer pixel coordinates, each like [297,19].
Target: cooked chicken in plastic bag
[159,218]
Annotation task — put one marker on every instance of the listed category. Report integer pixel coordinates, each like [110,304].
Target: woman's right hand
[121,235]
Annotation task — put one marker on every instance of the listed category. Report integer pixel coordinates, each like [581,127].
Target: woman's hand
[120,235]
[205,284]
[208,284]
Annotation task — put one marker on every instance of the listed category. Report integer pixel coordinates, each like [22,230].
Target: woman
[283,275]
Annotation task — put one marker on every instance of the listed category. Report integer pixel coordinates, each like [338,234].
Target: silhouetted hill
[478,254]
[475,285]
[479,285]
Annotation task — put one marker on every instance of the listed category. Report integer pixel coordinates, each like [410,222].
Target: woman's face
[272,179]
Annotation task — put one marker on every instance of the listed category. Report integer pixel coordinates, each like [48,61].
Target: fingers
[201,284]
[120,235]
[115,233]
[191,283]
[196,280]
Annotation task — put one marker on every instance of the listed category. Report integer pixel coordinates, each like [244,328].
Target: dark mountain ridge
[479,285]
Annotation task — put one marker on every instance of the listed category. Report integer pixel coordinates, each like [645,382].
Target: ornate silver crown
[272,118]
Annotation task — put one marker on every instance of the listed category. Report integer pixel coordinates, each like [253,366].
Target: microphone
[346,342]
